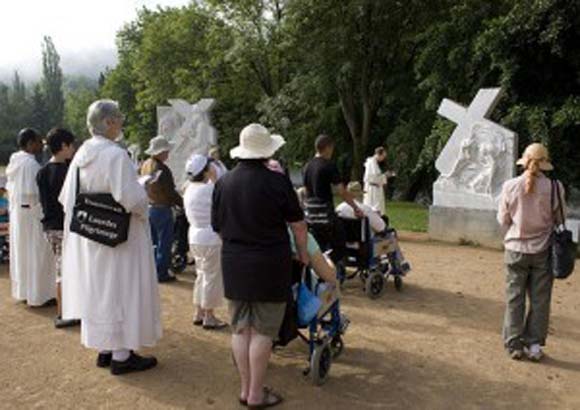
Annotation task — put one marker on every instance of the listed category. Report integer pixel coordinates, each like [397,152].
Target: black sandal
[245,402]
[271,399]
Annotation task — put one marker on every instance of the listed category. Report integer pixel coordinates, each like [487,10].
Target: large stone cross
[481,107]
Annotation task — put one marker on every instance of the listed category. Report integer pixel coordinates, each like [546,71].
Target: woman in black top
[251,208]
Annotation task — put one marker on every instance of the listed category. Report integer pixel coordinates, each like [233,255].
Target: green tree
[75,112]
[527,47]
[364,46]
[52,82]
[40,116]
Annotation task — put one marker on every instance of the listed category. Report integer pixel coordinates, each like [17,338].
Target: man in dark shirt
[162,197]
[251,208]
[321,180]
[50,179]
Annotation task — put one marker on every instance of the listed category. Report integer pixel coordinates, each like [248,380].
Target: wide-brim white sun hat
[256,142]
[158,145]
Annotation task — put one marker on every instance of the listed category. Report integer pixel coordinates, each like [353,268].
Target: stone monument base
[466,226]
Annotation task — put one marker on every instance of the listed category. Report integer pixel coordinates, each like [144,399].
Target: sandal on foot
[244,402]
[270,399]
[214,324]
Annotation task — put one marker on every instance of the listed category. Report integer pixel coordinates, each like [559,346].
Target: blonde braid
[532,170]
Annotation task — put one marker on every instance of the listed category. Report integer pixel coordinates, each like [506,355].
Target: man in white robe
[32,269]
[375,181]
[112,290]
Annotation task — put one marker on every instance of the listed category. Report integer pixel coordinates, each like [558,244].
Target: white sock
[121,355]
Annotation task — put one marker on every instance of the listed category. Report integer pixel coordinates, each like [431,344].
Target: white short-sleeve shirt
[197,204]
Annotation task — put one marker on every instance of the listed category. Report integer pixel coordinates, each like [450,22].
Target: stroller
[374,259]
[180,246]
[323,334]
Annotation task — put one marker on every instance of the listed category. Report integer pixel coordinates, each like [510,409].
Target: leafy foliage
[367,72]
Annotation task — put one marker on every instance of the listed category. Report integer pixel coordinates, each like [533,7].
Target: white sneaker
[535,353]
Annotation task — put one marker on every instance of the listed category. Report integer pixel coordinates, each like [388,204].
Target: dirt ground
[435,345]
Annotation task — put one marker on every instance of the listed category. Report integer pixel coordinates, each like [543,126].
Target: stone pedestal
[467,226]
[573,224]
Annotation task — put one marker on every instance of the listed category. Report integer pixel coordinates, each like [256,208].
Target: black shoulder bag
[563,250]
[98,217]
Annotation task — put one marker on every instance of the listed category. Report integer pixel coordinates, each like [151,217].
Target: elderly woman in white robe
[112,290]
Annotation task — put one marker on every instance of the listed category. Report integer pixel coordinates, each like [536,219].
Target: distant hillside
[87,64]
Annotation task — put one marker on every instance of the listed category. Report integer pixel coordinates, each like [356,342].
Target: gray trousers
[527,273]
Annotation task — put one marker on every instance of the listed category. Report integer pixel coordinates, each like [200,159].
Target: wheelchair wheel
[178,263]
[337,346]
[320,363]
[375,284]
[364,275]
[398,283]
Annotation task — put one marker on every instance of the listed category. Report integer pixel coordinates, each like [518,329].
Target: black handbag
[563,250]
[98,217]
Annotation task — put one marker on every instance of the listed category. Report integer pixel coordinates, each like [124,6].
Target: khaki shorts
[265,318]
[54,238]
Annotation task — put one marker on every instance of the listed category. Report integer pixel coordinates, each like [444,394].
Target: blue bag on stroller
[308,305]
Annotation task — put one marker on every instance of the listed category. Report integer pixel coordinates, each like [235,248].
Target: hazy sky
[82,30]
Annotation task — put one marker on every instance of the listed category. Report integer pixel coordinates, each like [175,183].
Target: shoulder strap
[78,187]
[556,194]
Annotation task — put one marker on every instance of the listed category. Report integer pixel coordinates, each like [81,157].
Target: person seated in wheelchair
[384,238]
[321,263]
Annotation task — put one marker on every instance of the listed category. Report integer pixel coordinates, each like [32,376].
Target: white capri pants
[208,291]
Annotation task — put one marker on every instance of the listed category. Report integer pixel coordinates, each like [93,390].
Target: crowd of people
[246,225]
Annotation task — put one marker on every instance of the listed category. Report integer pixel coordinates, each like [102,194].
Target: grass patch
[408,216]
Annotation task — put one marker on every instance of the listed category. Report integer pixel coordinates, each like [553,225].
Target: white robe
[374,182]
[112,290]
[32,267]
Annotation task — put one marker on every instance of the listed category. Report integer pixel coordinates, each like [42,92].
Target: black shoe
[167,279]
[60,323]
[134,363]
[49,303]
[104,359]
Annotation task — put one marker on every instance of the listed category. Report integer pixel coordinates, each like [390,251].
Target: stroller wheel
[337,346]
[375,284]
[320,363]
[398,283]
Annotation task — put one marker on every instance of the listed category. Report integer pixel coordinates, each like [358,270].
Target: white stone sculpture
[478,158]
[189,128]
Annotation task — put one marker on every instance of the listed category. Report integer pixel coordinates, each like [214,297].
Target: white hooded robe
[112,290]
[32,267]
[374,182]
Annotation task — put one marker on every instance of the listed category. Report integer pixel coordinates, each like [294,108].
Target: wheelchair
[372,258]
[323,334]
[180,245]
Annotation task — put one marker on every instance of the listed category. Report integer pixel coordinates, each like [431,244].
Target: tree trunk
[357,159]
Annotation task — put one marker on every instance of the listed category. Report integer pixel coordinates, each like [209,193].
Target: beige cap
[538,152]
